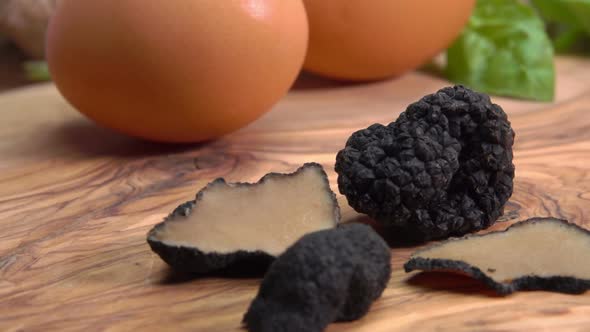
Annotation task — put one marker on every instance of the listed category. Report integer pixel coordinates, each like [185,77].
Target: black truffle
[536,254]
[242,227]
[444,168]
[325,276]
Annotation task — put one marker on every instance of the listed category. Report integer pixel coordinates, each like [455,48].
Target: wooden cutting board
[76,202]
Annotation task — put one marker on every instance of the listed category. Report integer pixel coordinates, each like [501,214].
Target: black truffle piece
[324,277]
[536,254]
[444,168]
[241,226]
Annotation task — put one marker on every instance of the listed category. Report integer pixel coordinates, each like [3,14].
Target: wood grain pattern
[76,202]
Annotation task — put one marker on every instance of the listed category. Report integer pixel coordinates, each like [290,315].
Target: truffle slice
[326,276]
[243,225]
[536,254]
[443,168]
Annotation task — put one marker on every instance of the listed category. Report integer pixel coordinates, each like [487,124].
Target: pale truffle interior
[268,216]
[543,248]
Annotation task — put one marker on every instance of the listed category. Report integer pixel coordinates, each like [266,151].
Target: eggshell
[176,71]
[375,39]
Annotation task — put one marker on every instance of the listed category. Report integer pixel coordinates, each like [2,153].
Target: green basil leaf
[567,39]
[581,8]
[504,50]
[555,11]
[573,13]
[37,71]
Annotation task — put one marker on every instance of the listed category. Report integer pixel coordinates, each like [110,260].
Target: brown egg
[375,39]
[176,71]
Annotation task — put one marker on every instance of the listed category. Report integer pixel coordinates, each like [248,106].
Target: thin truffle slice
[443,168]
[324,277]
[536,254]
[243,225]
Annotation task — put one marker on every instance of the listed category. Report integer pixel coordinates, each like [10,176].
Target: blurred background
[23,24]
[506,48]
[11,73]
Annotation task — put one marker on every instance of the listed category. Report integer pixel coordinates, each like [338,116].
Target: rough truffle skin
[443,168]
[331,275]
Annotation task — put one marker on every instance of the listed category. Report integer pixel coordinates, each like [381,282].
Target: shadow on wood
[87,139]
[390,237]
[310,81]
[452,282]
[511,214]
[173,277]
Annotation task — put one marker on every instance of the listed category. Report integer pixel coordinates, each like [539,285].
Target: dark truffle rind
[194,261]
[191,260]
[443,168]
[331,275]
[561,284]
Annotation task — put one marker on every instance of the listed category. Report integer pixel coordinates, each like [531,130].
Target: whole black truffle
[325,276]
[444,168]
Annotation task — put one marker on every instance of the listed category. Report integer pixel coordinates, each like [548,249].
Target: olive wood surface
[76,202]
